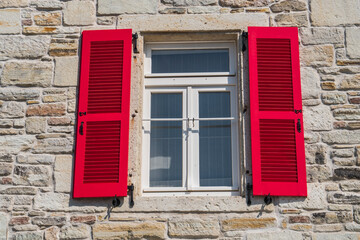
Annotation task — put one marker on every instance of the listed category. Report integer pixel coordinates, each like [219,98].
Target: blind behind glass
[190,61]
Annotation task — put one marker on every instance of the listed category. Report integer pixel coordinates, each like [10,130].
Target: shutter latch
[81,128]
[244,36]
[299,126]
[131,191]
[135,38]
[248,193]
[298,111]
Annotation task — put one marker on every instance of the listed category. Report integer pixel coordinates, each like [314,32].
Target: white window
[190,120]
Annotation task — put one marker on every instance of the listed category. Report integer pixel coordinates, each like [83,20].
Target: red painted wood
[101,156]
[278,152]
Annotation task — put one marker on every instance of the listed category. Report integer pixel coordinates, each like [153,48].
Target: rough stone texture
[63,47]
[10,21]
[32,175]
[340,137]
[79,13]
[334,98]
[40,30]
[311,36]
[35,125]
[292,19]
[80,231]
[15,94]
[322,55]
[335,236]
[128,230]
[83,219]
[29,236]
[317,118]
[46,110]
[352,82]
[47,4]
[288,5]
[57,144]
[66,71]
[49,221]
[334,13]
[51,201]
[48,19]
[123,6]
[52,233]
[12,110]
[5,169]
[193,228]
[245,3]
[3,225]
[27,74]
[247,223]
[23,47]
[343,198]
[310,83]
[35,159]
[347,114]
[13,3]
[278,235]
[63,173]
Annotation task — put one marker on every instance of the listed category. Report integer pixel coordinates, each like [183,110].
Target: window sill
[198,191]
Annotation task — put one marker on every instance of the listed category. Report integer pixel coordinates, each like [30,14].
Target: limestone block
[47,4]
[341,137]
[352,186]
[347,114]
[54,145]
[310,36]
[288,5]
[10,21]
[343,198]
[28,236]
[189,2]
[106,20]
[334,98]
[71,106]
[83,219]
[3,225]
[23,47]
[20,191]
[62,121]
[292,19]
[63,173]
[334,13]
[13,3]
[18,94]
[125,230]
[79,231]
[310,83]
[19,221]
[6,123]
[350,83]
[49,221]
[130,7]
[80,13]
[352,42]
[66,71]
[347,173]
[247,223]
[48,19]
[35,159]
[12,110]
[352,227]
[245,3]
[52,233]
[32,175]
[322,55]
[40,30]
[203,10]
[335,236]
[328,86]
[57,109]
[15,144]
[53,98]
[63,47]
[27,73]
[316,153]
[23,200]
[279,235]
[35,125]
[51,201]
[5,169]
[318,118]
[315,173]
[193,228]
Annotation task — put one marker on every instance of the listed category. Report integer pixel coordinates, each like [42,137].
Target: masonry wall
[39,58]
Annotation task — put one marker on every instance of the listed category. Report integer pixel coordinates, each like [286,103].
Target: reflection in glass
[190,61]
[166,141]
[215,139]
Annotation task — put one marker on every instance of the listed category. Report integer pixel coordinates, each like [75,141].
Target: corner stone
[125,6]
[66,71]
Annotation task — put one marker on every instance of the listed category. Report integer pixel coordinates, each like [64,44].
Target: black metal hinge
[244,36]
[134,39]
[248,193]
[131,191]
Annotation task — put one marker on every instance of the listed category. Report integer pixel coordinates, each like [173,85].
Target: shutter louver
[101,158]
[278,154]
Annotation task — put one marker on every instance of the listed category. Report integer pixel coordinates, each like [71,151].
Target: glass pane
[215,140]
[166,141]
[190,61]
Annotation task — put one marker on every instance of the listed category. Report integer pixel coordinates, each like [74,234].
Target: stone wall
[39,55]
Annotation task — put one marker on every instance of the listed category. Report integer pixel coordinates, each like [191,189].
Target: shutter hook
[131,191]
[135,38]
[115,203]
[267,199]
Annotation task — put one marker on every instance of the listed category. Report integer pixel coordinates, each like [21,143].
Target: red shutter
[277,145]
[101,159]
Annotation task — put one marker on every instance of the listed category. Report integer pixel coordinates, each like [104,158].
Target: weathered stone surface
[352,43]
[19,221]
[79,231]
[193,228]
[245,3]
[3,225]
[310,36]
[175,10]
[128,230]
[341,137]
[71,106]
[15,144]
[347,114]
[347,173]
[189,2]
[28,236]
[5,169]
[20,191]
[54,98]
[46,110]
[353,227]
[80,13]
[334,98]
[247,223]
[66,71]
[62,121]
[54,145]
[334,13]
[335,236]
[35,159]
[299,219]
[63,47]
[49,221]
[63,173]
[322,55]
[354,100]
[40,30]
[275,235]
[353,186]
[22,200]
[48,19]
[35,125]
[26,73]
[343,152]
[106,20]
[316,153]
[130,7]
[343,198]
[16,94]
[13,3]
[203,10]
[328,86]
[23,47]
[328,228]
[83,219]
[292,19]
[52,233]
[6,123]
[288,5]
[196,22]
[51,201]
[47,4]
[332,217]
[32,175]
[352,82]
[10,21]
[318,118]
[310,83]
[12,110]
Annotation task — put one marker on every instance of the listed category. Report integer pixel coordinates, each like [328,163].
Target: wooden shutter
[277,134]
[101,159]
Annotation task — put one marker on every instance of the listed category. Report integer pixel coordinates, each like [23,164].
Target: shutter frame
[120,116]
[261,185]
